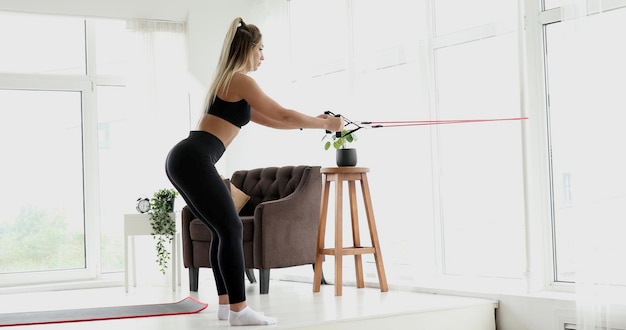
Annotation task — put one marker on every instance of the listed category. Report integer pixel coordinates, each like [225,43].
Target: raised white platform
[293,303]
[368,308]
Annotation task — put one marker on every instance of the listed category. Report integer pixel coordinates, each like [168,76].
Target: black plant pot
[170,206]
[346,157]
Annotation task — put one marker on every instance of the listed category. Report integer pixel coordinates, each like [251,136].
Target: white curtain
[596,268]
[159,83]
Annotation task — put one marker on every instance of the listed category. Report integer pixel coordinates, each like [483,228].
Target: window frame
[85,84]
[545,18]
[427,49]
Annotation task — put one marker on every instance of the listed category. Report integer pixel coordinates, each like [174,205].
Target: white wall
[154,9]
[255,147]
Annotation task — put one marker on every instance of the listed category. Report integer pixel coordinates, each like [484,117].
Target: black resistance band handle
[338,134]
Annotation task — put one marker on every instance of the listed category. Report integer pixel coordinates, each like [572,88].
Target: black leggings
[190,166]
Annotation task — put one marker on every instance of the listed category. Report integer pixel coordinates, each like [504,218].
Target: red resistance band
[379,124]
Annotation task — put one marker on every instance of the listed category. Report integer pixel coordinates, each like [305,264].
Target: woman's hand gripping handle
[334,123]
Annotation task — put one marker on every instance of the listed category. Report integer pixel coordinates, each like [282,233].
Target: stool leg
[323,280]
[380,268]
[356,236]
[338,236]
[321,232]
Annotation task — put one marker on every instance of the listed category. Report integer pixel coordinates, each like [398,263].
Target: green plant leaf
[163,228]
[339,142]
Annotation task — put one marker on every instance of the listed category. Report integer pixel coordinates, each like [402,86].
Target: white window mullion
[59,83]
[91,156]
[473,34]
[429,63]
[571,12]
[539,272]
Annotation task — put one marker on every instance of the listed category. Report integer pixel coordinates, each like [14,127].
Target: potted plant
[163,226]
[344,156]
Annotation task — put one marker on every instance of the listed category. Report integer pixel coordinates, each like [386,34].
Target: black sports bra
[236,113]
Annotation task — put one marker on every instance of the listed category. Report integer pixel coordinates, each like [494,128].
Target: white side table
[139,224]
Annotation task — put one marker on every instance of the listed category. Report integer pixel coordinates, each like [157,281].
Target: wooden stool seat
[351,175]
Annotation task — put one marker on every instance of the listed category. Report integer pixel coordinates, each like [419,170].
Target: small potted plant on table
[163,226]
[344,156]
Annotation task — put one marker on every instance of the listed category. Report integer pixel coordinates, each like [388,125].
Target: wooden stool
[339,175]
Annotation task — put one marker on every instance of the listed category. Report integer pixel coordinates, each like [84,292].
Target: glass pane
[549,4]
[129,167]
[333,86]
[382,25]
[482,199]
[112,138]
[133,143]
[41,44]
[586,71]
[457,15]
[408,238]
[42,219]
[112,44]
[322,47]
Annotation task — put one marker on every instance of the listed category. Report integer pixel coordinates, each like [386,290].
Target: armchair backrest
[269,183]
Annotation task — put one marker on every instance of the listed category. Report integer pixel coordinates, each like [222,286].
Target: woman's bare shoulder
[244,85]
[242,79]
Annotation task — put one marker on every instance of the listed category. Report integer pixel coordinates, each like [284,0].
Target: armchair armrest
[285,230]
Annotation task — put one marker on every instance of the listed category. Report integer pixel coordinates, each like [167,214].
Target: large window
[472,185]
[42,223]
[484,195]
[43,139]
[84,131]
[479,177]
[59,48]
[449,200]
[586,70]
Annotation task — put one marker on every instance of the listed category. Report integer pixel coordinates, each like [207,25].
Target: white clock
[143,204]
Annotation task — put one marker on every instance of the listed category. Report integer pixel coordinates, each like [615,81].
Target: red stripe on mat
[188,305]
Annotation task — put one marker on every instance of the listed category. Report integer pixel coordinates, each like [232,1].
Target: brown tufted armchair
[280,222]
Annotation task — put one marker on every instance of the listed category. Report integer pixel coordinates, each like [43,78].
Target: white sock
[249,317]
[223,311]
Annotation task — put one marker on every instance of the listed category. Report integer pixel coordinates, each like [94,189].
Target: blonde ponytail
[235,56]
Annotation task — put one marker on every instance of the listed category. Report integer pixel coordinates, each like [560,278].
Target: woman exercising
[233,100]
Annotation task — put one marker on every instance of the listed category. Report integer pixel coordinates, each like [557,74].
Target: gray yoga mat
[188,305]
